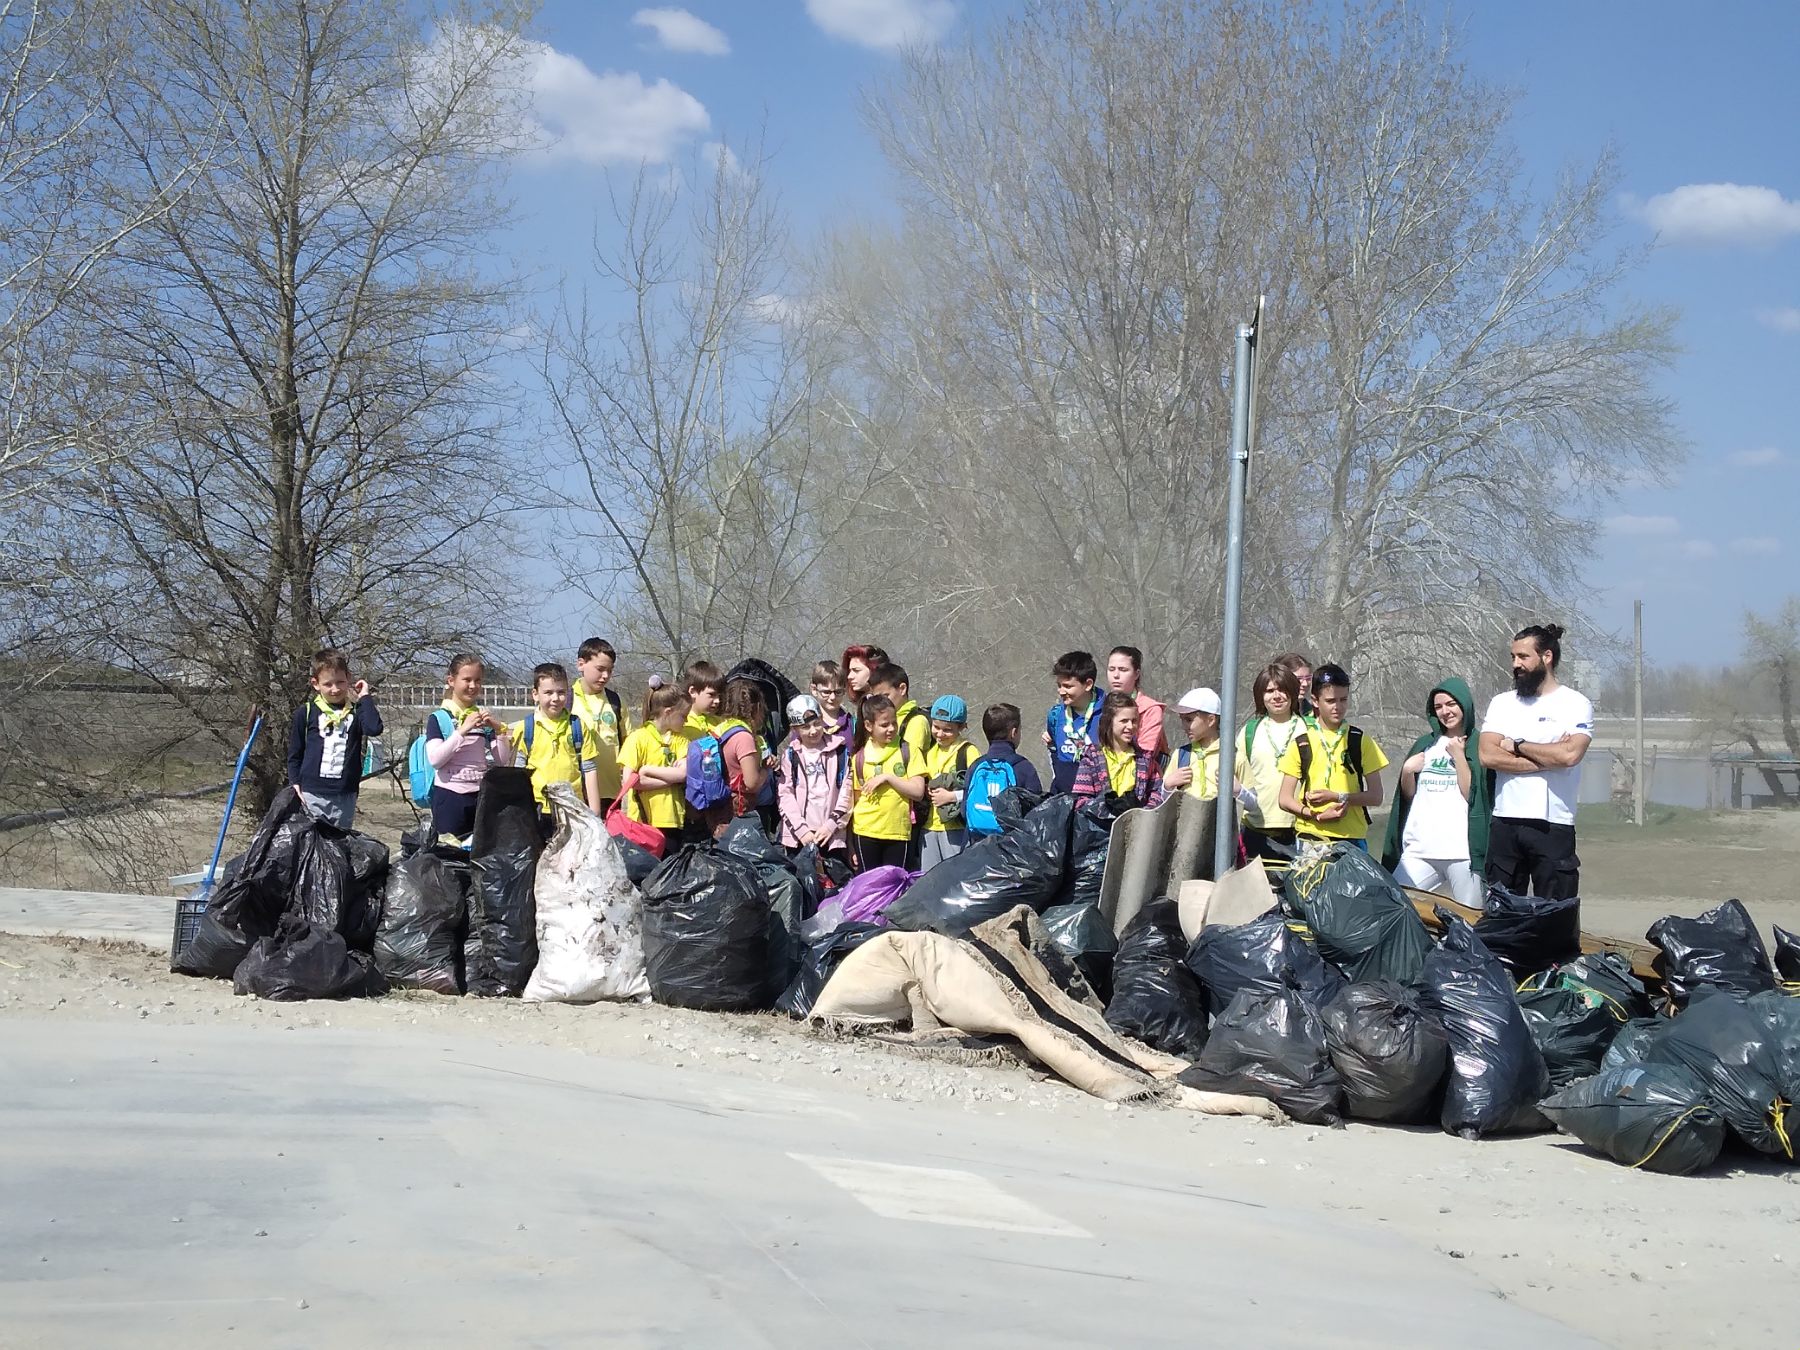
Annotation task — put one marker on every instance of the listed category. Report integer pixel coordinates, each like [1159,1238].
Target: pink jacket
[459,759]
[817,796]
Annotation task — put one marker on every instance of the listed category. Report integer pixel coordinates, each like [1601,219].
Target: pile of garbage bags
[1338,1003]
[311,911]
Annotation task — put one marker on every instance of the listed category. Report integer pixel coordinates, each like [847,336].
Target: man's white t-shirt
[1548,794]
[1437,822]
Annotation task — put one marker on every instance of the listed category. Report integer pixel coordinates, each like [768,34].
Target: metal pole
[1225,833]
[1637,793]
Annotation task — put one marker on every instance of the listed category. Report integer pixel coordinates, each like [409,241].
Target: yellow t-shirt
[917,734]
[606,729]
[940,759]
[1205,762]
[666,806]
[883,813]
[1330,772]
[552,755]
[1121,771]
[1259,767]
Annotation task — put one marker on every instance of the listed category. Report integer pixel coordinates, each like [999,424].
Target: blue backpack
[707,784]
[419,773]
[987,780]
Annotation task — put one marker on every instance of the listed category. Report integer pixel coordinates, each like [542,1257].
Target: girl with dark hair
[886,784]
[1115,765]
[742,708]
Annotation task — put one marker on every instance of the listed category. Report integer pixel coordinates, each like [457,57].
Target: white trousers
[1444,876]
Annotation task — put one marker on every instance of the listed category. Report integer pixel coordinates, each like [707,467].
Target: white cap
[1199,700]
[801,706]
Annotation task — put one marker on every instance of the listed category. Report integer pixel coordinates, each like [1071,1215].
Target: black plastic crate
[188,910]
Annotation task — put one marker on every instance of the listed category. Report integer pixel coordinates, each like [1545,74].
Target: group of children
[892,784]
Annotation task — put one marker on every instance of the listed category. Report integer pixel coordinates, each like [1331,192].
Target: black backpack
[1353,760]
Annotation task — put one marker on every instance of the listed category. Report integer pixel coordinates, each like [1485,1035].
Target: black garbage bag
[1020,867]
[745,839]
[1090,834]
[500,950]
[337,879]
[419,942]
[1730,1044]
[1083,935]
[1013,805]
[1653,1116]
[711,939]
[1254,956]
[777,691]
[1361,920]
[1787,954]
[1155,997]
[1572,1032]
[819,964]
[1603,977]
[304,961]
[1272,1045]
[1634,1042]
[1781,1012]
[1497,1074]
[1529,933]
[639,862]
[1389,1052]
[1721,948]
[250,893]
[812,882]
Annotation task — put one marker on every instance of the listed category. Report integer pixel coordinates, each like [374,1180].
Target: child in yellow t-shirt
[886,782]
[553,744]
[654,761]
[947,762]
[1328,795]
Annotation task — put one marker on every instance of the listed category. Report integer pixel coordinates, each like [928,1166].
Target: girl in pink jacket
[812,781]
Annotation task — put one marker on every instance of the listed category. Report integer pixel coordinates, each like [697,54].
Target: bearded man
[1534,738]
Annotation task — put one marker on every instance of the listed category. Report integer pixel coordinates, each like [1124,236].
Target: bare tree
[1771,676]
[1093,193]
[692,429]
[311,449]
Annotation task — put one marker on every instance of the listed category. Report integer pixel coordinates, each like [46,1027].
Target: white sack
[590,925]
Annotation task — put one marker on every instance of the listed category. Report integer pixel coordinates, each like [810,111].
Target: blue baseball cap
[950,708]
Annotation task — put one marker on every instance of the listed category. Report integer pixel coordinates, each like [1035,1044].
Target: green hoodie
[1481,781]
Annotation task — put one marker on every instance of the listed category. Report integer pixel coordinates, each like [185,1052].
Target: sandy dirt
[1628,1257]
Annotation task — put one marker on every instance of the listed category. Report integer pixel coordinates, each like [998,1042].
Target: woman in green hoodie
[1437,833]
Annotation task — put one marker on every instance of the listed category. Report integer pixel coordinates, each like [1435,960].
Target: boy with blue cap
[947,761]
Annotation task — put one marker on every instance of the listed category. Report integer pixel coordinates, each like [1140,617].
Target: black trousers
[1534,854]
[872,853]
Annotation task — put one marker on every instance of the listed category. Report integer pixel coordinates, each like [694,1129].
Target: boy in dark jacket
[325,742]
[1000,768]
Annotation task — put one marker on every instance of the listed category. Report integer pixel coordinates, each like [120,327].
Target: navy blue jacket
[330,763]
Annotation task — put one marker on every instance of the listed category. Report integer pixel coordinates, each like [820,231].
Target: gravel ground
[1626,1256]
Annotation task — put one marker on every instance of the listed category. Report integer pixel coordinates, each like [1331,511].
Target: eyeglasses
[1326,680]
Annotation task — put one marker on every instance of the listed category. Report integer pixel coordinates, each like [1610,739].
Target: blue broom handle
[231,801]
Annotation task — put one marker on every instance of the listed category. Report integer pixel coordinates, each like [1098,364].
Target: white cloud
[1756,546]
[1783,319]
[1699,549]
[883,24]
[1764,457]
[612,118]
[678,31]
[1642,526]
[1718,213]
[719,157]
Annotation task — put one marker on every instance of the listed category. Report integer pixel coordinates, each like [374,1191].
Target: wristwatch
[1515,746]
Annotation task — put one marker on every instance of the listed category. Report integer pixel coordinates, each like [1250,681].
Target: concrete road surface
[191,1186]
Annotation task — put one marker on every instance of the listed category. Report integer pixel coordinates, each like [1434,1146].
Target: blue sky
[1700,103]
